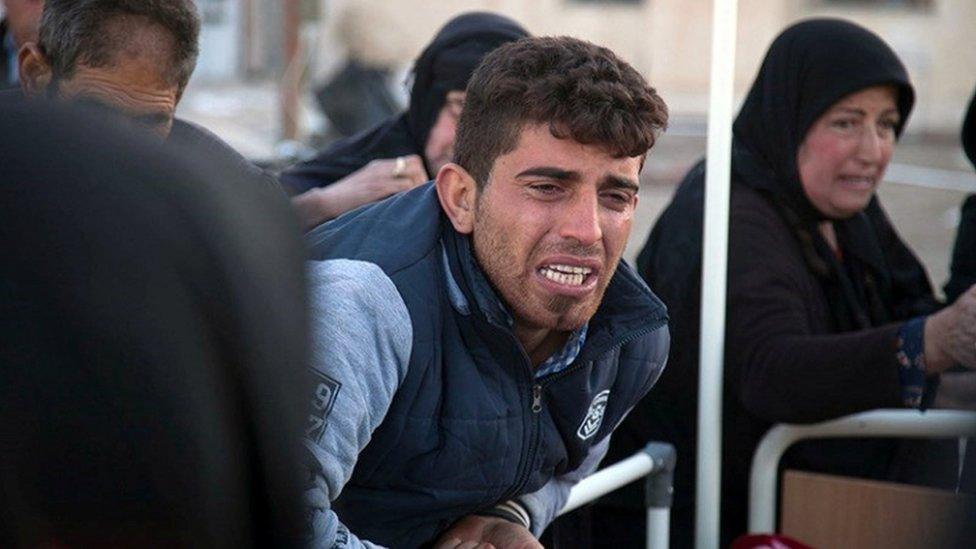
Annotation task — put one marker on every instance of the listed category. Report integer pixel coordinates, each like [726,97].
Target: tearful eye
[545,188]
[617,201]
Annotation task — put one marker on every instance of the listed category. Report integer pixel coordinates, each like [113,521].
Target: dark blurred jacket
[963,267]
[152,341]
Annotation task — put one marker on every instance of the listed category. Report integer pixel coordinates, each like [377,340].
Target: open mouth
[567,275]
[858,182]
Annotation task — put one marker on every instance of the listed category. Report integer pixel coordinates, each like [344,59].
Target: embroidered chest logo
[324,398]
[594,417]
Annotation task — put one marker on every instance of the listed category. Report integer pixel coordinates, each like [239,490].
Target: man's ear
[458,194]
[35,70]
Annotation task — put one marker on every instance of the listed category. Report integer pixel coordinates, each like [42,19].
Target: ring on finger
[399,167]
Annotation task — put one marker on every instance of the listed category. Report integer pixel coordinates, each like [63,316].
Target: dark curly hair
[583,91]
[79,31]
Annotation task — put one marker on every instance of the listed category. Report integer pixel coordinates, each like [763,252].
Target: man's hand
[477,532]
[950,334]
[375,181]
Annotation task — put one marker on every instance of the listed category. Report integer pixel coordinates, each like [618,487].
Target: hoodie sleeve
[544,504]
[361,344]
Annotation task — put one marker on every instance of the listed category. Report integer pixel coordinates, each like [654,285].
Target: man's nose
[581,220]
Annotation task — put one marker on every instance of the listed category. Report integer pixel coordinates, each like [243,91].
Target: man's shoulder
[395,234]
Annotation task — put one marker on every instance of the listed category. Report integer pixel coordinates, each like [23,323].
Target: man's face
[136,83]
[550,226]
[134,87]
[439,149]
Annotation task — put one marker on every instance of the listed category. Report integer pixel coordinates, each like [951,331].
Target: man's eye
[618,199]
[546,188]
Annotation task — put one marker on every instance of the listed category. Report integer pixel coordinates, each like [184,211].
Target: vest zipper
[536,403]
[536,398]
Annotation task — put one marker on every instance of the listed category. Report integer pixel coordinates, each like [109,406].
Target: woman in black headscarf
[826,305]
[409,149]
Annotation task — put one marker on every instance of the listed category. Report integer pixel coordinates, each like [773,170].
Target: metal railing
[655,464]
[876,423]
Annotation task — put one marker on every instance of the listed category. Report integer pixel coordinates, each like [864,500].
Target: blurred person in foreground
[409,149]
[152,336]
[18,26]
[134,57]
[470,374]
[829,312]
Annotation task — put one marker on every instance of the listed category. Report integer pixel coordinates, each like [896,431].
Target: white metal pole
[714,270]
[608,479]
[658,527]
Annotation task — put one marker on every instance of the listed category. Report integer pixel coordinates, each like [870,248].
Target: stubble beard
[511,283]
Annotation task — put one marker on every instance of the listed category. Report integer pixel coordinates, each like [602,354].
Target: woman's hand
[950,335]
[375,181]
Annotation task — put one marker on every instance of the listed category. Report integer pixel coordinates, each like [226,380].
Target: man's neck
[540,344]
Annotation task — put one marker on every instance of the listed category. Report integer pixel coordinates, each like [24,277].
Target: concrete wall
[669,40]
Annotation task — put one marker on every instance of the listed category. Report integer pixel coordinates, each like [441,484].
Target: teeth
[563,278]
[569,269]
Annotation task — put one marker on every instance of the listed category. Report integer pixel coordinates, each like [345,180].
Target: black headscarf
[809,67]
[969,132]
[445,65]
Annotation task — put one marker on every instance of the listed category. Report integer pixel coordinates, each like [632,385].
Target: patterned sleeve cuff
[911,361]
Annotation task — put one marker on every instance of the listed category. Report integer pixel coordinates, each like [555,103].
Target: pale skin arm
[375,181]
[950,335]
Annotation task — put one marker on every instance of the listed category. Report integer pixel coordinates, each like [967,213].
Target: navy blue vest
[470,426]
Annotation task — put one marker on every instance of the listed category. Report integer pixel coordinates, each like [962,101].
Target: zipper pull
[537,398]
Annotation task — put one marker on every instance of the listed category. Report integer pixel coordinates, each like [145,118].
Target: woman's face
[844,154]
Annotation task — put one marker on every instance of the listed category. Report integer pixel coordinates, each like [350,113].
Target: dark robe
[206,144]
[445,65]
[808,337]
[152,341]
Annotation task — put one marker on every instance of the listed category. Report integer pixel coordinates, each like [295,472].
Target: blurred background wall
[668,40]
